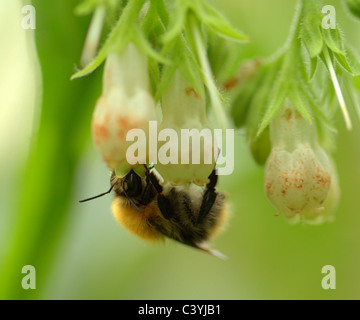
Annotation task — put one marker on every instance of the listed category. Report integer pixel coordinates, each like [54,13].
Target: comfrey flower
[125,104]
[330,205]
[193,157]
[300,179]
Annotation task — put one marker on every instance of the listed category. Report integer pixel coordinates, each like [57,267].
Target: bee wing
[204,247]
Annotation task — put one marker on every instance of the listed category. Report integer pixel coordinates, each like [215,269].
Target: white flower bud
[330,204]
[125,104]
[184,111]
[298,171]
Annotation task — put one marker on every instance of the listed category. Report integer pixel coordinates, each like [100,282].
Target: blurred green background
[48,163]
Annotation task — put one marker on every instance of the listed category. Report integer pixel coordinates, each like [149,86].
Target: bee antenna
[99,195]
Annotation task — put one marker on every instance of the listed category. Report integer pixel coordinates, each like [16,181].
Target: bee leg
[148,193]
[133,184]
[209,197]
[164,204]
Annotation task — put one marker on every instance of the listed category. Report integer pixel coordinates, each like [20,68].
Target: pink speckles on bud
[124,105]
[298,173]
[297,181]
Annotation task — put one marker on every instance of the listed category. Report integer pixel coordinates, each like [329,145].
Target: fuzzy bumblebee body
[191,214]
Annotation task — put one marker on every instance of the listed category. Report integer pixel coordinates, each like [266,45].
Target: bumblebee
[191,215]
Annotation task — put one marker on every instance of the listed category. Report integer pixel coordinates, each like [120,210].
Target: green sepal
[334,40]
[349,62]
[277,98]
[125,31]
[217,22]
[300,101]
[205,13]
[313,67]
[310,34]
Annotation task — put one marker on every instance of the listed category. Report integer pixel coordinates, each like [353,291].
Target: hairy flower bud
[195,150]
[298,171]
[125,104]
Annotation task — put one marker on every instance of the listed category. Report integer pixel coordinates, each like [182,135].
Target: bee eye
[133,184]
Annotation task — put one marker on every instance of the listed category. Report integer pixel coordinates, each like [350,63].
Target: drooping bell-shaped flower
[125,104]
[299,173]
[188,151]
[330,205]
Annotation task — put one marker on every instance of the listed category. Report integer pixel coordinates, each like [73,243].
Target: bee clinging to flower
[184,206]
[191,215]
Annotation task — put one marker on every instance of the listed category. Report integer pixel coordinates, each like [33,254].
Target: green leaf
[125,31]
[215,21]
[311,36]
[279,93]
[146,47]
[343,62]
[205,14]
[334,40]
[177,25]
[310,32]
[349,61]
[313,66]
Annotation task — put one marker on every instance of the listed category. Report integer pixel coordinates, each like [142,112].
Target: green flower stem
[46,188]
[337,88]
[93,36]
[127,27]
[209,78]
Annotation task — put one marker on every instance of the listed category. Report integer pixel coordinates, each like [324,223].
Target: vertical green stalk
[44,193]
[337,89]
[93,36]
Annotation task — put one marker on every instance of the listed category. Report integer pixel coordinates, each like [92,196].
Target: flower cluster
[125,104]
[161,65]
[299,173]
[287,104]
[140,86]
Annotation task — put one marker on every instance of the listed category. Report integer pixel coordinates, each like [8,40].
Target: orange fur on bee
[137,223]
[222,222]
